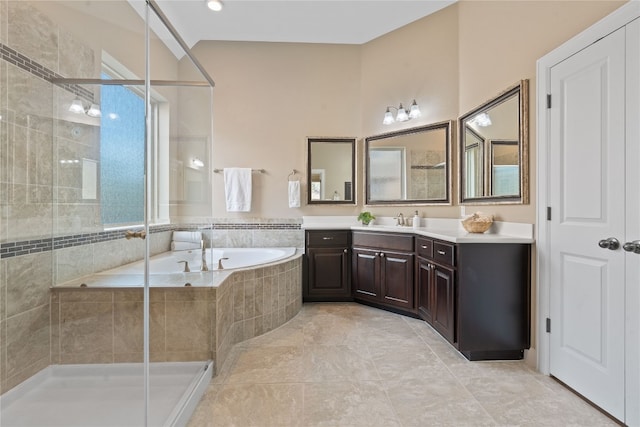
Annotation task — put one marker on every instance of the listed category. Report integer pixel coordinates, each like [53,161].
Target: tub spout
[204,267]
[220,266]
[186,266]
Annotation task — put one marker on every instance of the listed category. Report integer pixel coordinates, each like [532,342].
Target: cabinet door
[425,290]
[328,272]
[443,312]
[396,278]
[365,278]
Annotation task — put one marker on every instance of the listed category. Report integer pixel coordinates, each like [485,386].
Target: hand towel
[237,189]
[294,194]
[187,236]
[184,246]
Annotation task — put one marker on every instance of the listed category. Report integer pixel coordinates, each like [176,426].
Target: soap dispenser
[416,220]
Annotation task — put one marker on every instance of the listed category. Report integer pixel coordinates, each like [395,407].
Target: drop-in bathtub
[229,258]
[168,268]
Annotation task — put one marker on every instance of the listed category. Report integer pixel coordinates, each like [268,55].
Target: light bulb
[94,111]
[388,118]
[76,106]
[414,111]
[402,115]
[215,5]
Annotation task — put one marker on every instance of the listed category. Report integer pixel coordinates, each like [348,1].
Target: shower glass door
[107,132]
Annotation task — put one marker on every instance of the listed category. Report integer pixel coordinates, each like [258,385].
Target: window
[122,155]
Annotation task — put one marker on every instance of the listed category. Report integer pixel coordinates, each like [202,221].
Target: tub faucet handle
[220,266]
[186,266]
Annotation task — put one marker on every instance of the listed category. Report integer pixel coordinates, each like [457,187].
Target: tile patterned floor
[344,365]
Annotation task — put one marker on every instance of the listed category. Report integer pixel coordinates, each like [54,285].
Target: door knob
[632,246]
[611,243]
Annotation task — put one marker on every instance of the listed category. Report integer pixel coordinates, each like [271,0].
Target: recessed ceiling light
[215,5]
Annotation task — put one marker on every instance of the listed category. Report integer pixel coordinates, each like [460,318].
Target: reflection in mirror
[494,149]
[331,170]
[409,166]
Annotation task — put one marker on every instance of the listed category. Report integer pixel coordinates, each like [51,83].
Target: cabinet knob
[442,252]
[424,246]
[381,254]
[345,250]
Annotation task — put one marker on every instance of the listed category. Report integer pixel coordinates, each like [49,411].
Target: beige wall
[270,96]
[500,42]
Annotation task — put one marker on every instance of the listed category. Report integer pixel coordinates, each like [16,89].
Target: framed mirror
[411,166]
[331,170]
[494,150]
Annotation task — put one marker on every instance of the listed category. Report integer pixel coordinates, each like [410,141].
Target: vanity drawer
[328,238]
[424,247]
[398,242]
[444,253]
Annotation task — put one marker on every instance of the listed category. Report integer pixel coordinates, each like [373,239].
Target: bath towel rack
[252,170]
[291,174]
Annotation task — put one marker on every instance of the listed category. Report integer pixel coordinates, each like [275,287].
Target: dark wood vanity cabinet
[493,311]
[476,295]
[327,266]
[383,268]
[436,285]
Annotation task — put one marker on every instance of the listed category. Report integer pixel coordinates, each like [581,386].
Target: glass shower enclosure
[105,149]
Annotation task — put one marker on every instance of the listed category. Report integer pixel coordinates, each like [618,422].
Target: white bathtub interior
[230,259]
[104,395]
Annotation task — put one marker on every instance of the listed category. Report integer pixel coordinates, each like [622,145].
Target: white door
[587,198]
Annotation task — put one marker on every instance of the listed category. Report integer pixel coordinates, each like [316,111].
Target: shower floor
[106,395]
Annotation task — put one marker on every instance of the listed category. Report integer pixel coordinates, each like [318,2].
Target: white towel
[294,194]
[187,236]
[184,246]
[237,189]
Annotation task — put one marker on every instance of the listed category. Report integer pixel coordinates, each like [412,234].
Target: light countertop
[447,229]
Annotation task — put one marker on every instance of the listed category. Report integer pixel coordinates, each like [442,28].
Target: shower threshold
[104,395]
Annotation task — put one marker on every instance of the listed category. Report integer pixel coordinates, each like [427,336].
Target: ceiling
[300,21]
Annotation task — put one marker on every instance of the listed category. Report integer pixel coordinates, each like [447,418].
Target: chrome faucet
[220,266]
[186,266]
[400,219]
[204,267]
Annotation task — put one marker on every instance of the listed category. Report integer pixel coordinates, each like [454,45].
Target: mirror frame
[448,127]
[340,140]
[521,90]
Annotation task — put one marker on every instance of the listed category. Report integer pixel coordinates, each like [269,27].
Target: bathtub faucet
[204,267]
[220,266]
[130,234]
[186,266]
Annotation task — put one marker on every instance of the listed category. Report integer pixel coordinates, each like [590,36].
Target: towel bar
[252,170]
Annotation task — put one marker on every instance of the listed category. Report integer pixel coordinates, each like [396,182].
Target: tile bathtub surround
[186,324]
[345,364]
[284,233]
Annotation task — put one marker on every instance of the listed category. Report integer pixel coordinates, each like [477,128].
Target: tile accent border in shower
[26,247]
[29,65]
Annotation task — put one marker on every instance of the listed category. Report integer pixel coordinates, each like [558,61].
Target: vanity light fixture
[77,107]
[215,5]
[482,120]
[401,115]
[94,111]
